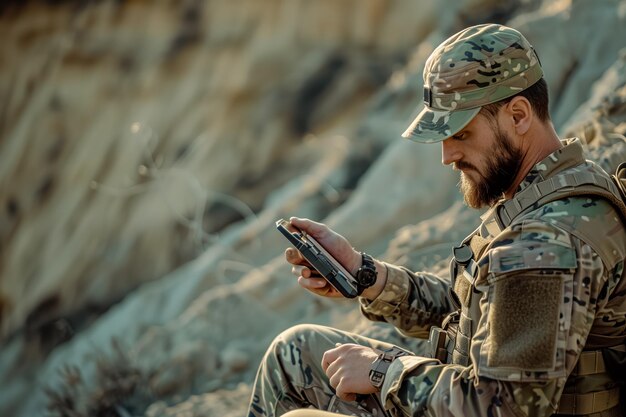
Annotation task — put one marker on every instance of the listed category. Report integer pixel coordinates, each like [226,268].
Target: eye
[459,136]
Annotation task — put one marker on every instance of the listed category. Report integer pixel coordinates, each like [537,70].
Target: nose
[450,152]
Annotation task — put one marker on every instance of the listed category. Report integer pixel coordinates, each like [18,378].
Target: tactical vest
[451,342]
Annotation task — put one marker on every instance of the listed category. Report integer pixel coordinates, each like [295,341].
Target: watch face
[377,378]
[366,277]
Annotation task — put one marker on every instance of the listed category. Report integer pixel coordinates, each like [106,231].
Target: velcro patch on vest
[528,255]
[523,321]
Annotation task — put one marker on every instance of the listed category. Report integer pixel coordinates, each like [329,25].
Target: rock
[601,121]
[138,203]
[235,360]
[571,70]
[129,173]
[223,402]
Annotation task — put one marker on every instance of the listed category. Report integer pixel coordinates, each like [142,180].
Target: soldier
[533,321]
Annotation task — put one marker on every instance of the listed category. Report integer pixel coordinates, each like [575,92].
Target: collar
[570,155]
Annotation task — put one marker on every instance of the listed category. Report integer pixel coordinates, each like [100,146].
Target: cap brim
[432,126]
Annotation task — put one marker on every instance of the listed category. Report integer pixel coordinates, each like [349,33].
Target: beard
[501,168]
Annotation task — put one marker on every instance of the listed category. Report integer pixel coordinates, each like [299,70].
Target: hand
[347,367]
[334,243]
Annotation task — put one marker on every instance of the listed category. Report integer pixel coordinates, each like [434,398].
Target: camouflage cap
[477,66]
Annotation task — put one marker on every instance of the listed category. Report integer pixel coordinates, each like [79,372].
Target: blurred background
[148,147]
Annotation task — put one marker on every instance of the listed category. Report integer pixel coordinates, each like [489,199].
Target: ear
[521,114]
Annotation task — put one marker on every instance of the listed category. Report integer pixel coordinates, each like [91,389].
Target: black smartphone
[321,260]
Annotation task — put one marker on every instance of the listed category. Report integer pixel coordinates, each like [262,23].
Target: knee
[296,336]
[298,340]
[299,334]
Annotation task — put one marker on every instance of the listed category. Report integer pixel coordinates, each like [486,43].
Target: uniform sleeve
[412,302]
[538,300]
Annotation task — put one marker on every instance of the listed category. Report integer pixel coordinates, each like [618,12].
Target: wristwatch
[379,367]
[366,275]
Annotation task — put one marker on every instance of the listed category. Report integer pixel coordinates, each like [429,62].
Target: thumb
[350,397]
[313,228]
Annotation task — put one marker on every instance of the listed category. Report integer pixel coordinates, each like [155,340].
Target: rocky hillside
[146,149]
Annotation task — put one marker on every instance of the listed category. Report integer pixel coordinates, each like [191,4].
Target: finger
[315,229]
[335,380]
[294,256]
[325,361]
[346,396]
[332,369]
[339,384]
[328,358]
[313,283]
[301,271]
[308,273]
[350,397]
[325,289]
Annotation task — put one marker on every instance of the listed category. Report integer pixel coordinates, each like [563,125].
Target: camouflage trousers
[290,376]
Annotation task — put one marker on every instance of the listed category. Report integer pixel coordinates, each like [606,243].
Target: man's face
[487,158]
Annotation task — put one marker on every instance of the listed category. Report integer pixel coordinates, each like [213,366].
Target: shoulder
[532,244]
[577,211]
[591,219]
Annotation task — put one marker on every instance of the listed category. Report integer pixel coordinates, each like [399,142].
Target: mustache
[460,165]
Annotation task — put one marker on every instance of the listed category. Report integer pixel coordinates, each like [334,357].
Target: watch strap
[381,364]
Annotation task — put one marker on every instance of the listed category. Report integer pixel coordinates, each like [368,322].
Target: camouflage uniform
[539,291]
[291,375]
[543,286]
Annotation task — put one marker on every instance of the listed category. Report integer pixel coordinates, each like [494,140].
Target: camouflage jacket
[543,285]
